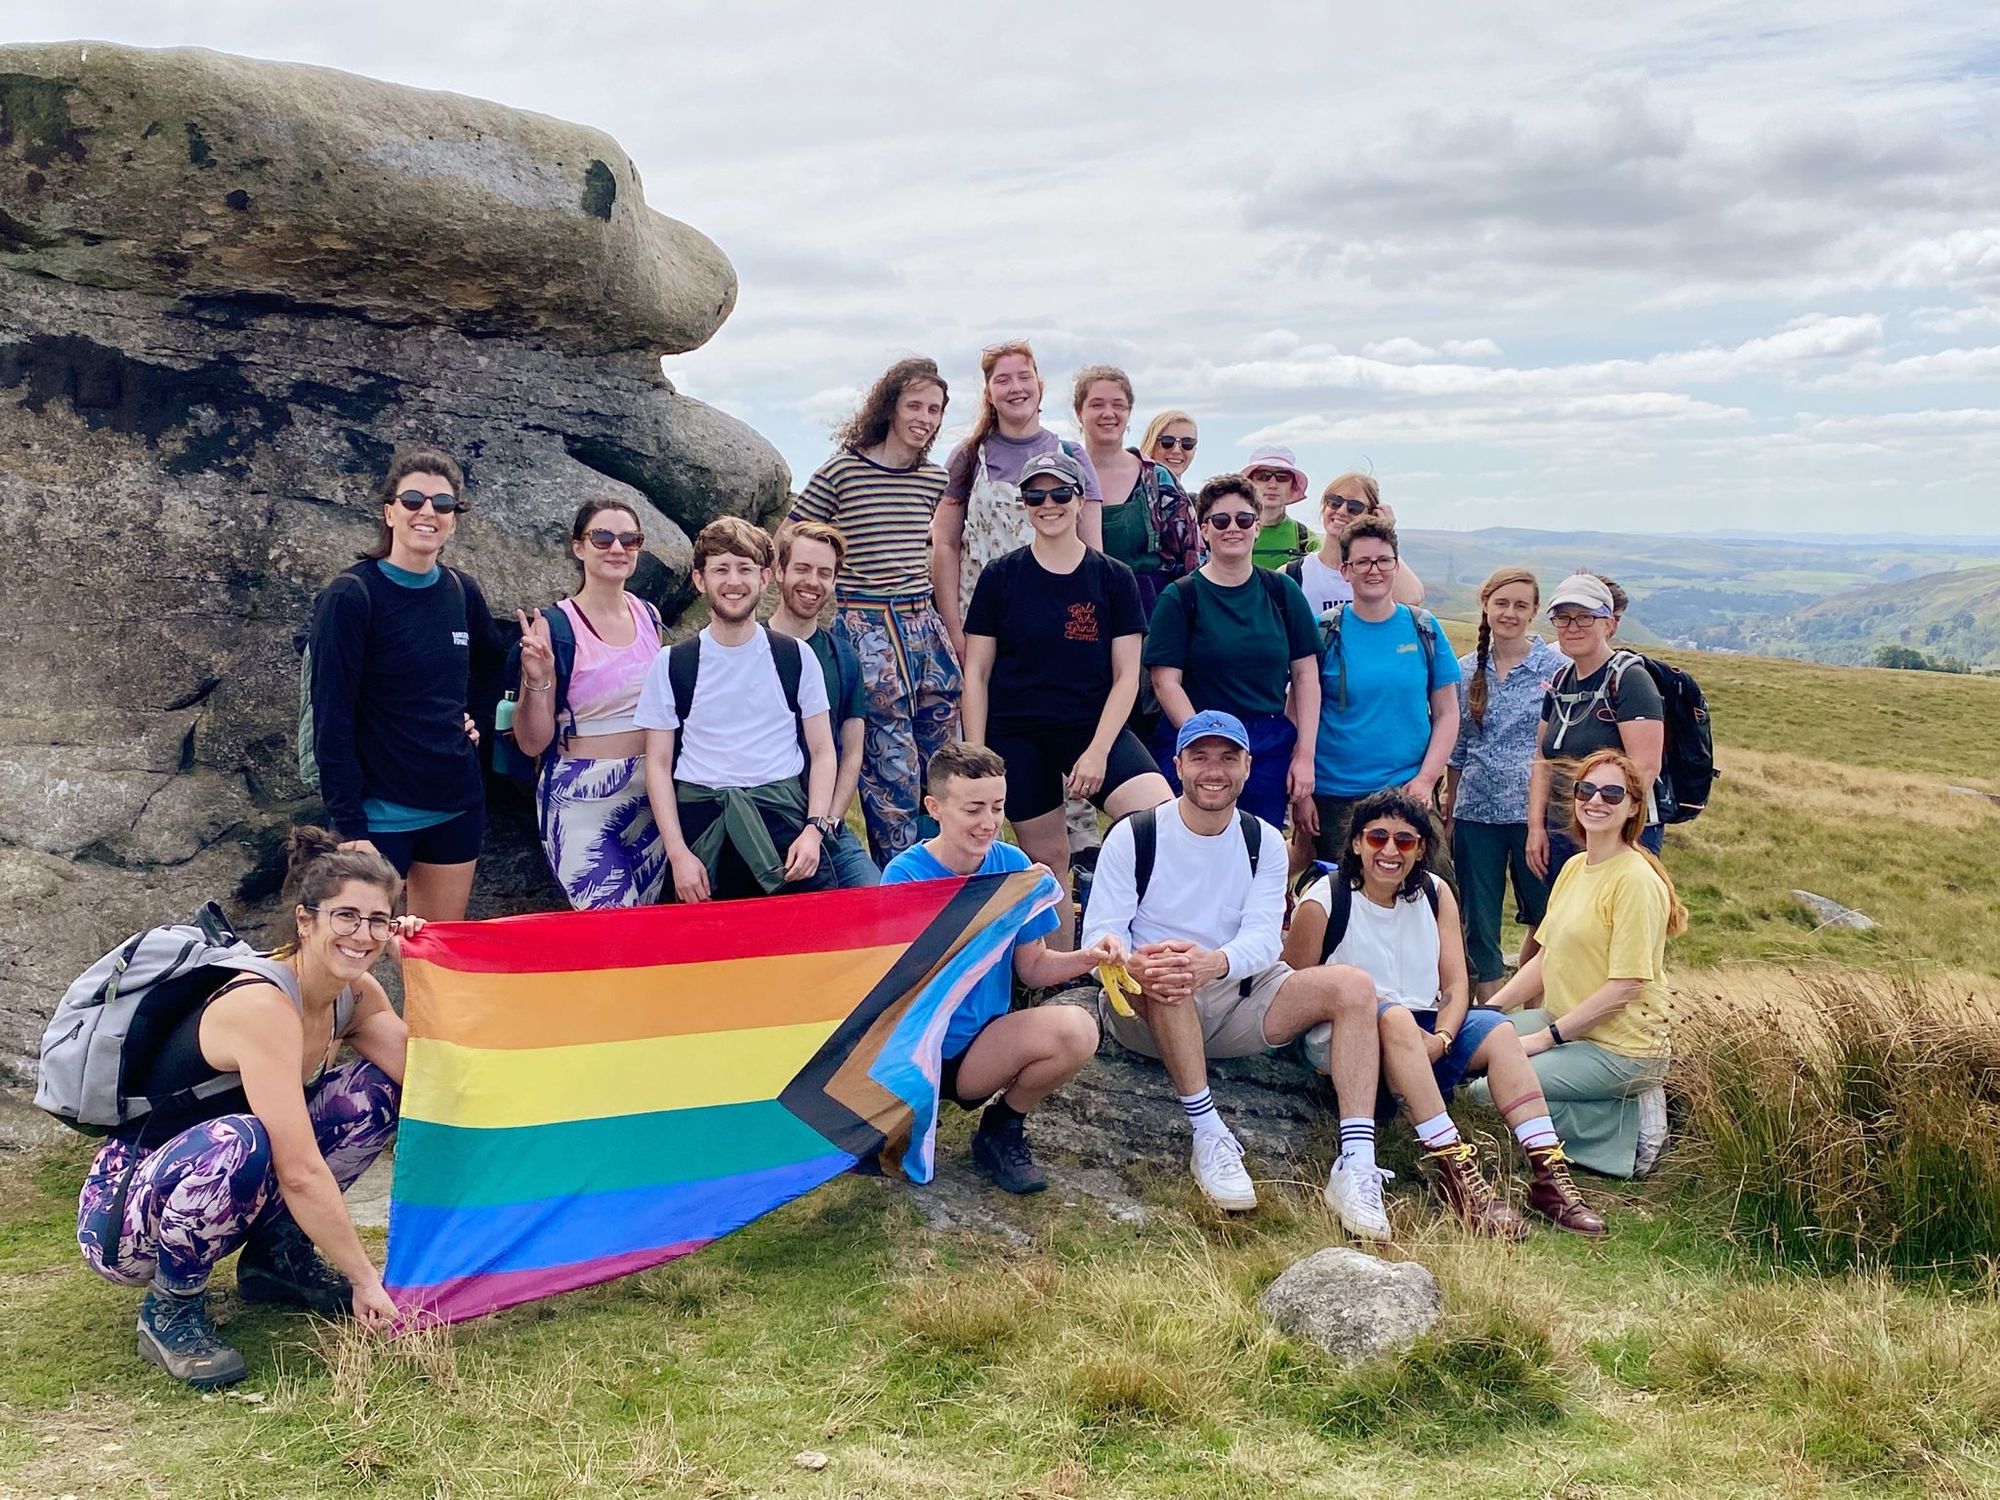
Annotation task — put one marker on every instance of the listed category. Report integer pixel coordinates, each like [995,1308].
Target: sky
[1675,267]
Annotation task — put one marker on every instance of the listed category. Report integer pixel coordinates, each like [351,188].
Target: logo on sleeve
[460,638]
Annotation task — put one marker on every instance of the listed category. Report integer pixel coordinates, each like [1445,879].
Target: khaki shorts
[1232,1015]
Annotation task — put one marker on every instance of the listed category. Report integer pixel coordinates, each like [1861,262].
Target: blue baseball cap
[1212,724]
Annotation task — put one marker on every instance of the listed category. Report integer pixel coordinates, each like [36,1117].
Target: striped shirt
[885,514]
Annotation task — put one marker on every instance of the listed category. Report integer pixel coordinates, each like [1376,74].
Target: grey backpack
[120,1011]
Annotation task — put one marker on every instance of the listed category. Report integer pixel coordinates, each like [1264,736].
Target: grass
[1687,1355]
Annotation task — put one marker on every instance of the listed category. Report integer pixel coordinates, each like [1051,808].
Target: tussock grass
[1847,1120]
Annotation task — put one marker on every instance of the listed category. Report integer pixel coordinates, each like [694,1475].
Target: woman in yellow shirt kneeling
[1598,1040]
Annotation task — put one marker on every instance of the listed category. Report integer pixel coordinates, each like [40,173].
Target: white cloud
[1683,224]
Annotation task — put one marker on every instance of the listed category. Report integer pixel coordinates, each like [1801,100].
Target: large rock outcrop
[228,289]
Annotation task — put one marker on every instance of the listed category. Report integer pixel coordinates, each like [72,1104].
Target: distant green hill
[1794,598]
[1942,614]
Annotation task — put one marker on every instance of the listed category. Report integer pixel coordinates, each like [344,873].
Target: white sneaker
[1652,1129]
[1355,1193]
[1218,1170]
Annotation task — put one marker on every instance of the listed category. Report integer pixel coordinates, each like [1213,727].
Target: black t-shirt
[1581,715]
[1052,635]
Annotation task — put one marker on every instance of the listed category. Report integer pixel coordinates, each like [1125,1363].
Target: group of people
[1315,809]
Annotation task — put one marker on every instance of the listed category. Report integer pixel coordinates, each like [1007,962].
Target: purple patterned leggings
[195,1198]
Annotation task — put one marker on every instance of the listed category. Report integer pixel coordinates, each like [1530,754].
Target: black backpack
[1190,595]
[1687,759]
[1343,906]
[684,669]
[1146,845]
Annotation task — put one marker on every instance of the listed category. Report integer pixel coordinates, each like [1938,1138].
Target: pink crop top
[604,683]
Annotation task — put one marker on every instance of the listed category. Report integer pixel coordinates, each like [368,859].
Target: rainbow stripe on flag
[592,1093]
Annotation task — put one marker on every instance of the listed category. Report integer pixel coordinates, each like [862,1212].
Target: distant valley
[1818,599]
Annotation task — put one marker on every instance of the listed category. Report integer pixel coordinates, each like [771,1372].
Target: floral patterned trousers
[911,685]
[196,1197]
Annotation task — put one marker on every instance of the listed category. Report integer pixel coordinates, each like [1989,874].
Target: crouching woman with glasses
[1598,1040]
[575,712]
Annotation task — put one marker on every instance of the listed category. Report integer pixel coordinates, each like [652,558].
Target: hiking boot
[1456,1178]
[280,1266]
[1355,1194]
[1003,1155]
[175,1333]
[1554,1196]
[1652,1129]
[1217,1164]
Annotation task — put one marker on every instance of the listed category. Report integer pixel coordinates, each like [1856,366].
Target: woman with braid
[1500,692]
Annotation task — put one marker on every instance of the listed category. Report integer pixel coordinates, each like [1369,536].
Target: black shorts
[453,842]
[1039,759]
[948,1074]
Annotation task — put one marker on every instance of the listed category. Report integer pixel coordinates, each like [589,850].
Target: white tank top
[1396,946]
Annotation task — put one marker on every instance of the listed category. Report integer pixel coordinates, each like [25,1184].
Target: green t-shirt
[1281,542]
[1239,656]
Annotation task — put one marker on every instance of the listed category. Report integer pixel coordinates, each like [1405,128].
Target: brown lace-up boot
[1455,1177]
[1554,1196]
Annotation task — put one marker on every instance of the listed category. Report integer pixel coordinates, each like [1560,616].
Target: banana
[1117,985]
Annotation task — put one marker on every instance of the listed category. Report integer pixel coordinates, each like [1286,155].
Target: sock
[1201,1113]
[1437,1131]
[1536,1133]
[1357,1141]
[999,1115]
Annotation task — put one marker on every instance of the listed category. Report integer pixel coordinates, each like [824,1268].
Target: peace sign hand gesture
[538,657]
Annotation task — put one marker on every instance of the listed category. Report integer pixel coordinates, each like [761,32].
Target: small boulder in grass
[1355,1307]
[1831,913]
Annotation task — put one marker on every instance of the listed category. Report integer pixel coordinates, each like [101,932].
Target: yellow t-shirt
[1608,921]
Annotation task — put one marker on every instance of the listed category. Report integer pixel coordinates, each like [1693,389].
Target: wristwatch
[826,826]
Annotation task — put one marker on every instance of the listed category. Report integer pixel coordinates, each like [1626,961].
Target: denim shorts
[1450,1070]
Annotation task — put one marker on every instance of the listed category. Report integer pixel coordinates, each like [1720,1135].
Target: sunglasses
[1610,796]
[1371,564]
[1055,494]
[1269,476]
[1352,507]
[1243,518]
[444,504]
[601,539]
[1381,838]
[1185,444]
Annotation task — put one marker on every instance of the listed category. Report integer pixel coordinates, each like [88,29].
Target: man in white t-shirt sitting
[1194,891]
[739,749]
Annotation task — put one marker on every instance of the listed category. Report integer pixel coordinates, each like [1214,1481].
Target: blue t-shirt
[994,994]
[1380,738]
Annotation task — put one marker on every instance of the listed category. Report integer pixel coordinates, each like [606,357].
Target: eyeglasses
[1185,444]
[1610,796]
[1372,564]
[1574,619]
[1243,518]
[1055,494]
[601,539]
[444,504]
[1352,507]
[346,921]
[1380,838]
[1270,476]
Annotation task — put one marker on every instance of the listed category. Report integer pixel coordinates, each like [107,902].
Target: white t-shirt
[1201,890]
[1323,586]
[739,731]
[1396,946]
